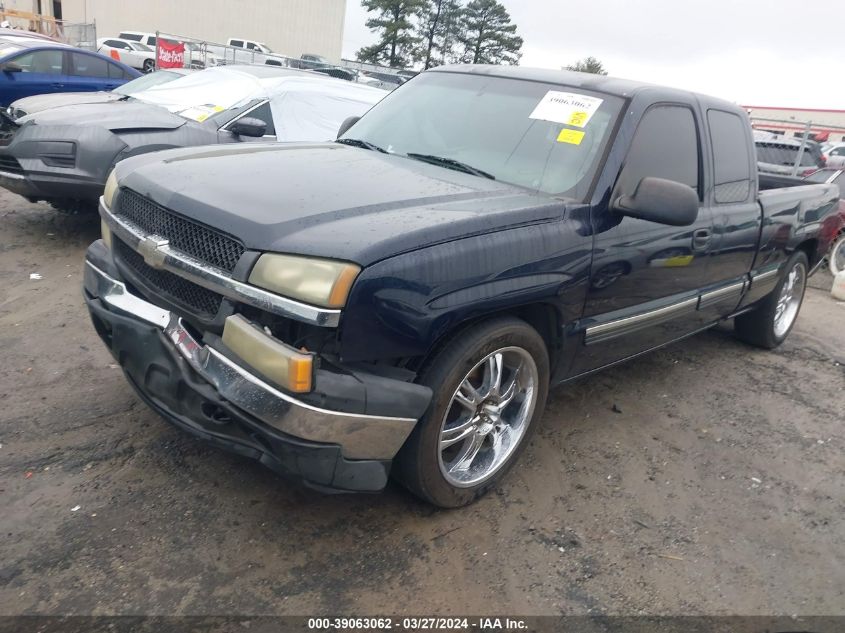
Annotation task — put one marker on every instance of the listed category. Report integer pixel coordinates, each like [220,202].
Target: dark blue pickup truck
[401,300]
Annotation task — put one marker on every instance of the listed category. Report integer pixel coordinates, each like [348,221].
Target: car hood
[37,103]
[329,200]
[115,115]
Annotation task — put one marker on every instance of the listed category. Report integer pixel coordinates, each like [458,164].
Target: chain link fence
[81,35]
[794,148]
[188,52]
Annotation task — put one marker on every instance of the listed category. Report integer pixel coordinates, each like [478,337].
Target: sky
[752,52]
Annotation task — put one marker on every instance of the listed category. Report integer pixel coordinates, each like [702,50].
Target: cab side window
[731,157]
[665,146]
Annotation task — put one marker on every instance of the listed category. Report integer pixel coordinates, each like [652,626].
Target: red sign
[171,54]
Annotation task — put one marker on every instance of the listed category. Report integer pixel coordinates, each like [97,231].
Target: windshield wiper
[356,142]
[450,163]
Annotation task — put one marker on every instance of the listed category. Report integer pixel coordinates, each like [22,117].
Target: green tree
[439,23]
[588,65]
[393,23]
[487,34]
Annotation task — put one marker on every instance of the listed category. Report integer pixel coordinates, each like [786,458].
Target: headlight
[110,190]
[320,282]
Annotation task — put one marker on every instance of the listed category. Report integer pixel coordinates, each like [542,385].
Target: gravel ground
[717,488]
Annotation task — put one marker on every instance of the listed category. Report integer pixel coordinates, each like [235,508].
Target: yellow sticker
[579,119]
[573,137]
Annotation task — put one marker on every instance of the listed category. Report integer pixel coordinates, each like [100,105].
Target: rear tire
[490,384]
[149,65]
[769,324]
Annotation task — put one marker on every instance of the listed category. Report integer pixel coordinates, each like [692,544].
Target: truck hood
[114,116]
[329,200]
[37,103]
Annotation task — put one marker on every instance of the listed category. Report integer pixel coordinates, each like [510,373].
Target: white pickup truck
[243,51]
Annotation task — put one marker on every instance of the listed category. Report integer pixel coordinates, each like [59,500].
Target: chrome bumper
[359,436]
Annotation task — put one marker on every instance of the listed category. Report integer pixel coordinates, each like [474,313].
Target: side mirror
[248,126]
[347,123]
[661,201]
[11,67]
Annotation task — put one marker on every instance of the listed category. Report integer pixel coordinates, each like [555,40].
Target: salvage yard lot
[705,478]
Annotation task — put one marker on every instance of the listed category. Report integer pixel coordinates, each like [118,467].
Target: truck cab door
[645,277]
[737,216]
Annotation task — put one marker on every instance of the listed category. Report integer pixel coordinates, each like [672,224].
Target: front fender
[400,307]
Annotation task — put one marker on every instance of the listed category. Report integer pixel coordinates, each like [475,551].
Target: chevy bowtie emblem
[152,250]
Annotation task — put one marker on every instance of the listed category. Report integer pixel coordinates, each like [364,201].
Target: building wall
[289,27]
[792,121]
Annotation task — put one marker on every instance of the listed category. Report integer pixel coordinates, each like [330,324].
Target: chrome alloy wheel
[488,416]
[789,301]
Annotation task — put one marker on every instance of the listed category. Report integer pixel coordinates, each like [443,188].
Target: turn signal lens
[281,363]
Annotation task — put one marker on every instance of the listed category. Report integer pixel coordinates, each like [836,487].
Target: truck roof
[625,88]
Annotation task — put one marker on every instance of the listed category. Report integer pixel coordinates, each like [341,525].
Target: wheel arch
[544,317]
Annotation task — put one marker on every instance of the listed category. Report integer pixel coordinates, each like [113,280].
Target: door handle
[58,85]
[700,239]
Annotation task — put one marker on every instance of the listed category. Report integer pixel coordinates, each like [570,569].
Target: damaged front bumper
[206,391]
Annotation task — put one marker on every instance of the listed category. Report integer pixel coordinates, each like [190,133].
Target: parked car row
[63,154]
[138,48]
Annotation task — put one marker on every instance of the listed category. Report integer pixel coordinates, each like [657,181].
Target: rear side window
[151,40]
[731,157]
[783,155]
[130,36]
[238,43]
[116,44]
[88,65]
[665,146]
[116,72]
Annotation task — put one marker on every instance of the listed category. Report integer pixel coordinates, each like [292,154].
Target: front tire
[769,324]
[490,384]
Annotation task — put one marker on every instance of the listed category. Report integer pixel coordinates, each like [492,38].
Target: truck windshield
[544,137]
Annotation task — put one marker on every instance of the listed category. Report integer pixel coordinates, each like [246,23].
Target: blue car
[32,66]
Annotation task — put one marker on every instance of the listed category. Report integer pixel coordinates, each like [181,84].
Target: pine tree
[588,65]
[396,31]
[487,34]
[439,22]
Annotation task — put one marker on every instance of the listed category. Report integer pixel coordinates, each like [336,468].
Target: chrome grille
[190,296]
[191,238]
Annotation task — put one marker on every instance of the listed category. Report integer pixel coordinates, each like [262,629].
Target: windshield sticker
[573,137]
[200,113]
[567,108]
